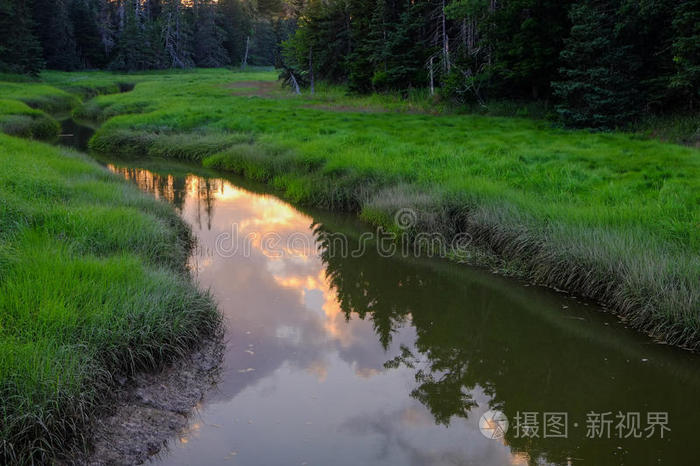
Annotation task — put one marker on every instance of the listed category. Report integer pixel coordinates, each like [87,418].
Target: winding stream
[335,359]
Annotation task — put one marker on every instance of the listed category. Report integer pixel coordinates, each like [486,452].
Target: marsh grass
[18,119]
[28,105]
[612,217]
[93,287]
[608,216]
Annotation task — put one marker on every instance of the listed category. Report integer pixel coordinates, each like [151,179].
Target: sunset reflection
[197,198]
[381,361]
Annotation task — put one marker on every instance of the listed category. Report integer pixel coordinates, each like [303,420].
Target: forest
[135,35]
[601,64]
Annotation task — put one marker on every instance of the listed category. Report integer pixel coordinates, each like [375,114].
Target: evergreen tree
[526,37]
[235,20]
[89,47]
[55,32]
[209,51]
[686,52]
[20,51]
[406,52]
[262,44]
[370,52]
[596,89]
[139,46]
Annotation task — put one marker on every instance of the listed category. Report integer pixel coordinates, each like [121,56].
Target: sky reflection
[369,360]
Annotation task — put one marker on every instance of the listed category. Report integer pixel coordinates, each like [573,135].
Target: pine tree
[20,51]
[597,89]
[686,52]
[139,46]
[235,20]
[209,51]
[84,18]
[55,32]
[406,52]
[526,37]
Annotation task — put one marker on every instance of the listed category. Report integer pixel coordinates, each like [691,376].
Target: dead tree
[311,70]
[244,63]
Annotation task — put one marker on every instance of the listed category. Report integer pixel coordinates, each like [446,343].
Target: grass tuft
[93,286]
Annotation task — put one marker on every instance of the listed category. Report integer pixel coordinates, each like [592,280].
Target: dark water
[372,360]
[74,134]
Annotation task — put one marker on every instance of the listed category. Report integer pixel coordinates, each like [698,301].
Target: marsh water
[335,358]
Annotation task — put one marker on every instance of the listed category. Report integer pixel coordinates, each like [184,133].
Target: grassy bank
[93,287]
[28,105]
[613,217]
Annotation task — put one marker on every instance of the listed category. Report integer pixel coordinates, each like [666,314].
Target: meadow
[93,288]
[609,216]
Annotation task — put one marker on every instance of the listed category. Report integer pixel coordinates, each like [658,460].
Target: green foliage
[597,89]
[609,216]
[139,46]
[20,51]
[84,16]
[135,35]
[54,29]
[620,59]
[18,119]
[526,37]
[209,51]
[93,285]
[686,51]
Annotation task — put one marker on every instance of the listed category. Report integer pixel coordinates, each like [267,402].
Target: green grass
[18,119]
[28,105]
[39,96]
[93,286]
[613,217]
[681,129]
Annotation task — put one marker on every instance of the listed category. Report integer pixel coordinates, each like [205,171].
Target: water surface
[391,361]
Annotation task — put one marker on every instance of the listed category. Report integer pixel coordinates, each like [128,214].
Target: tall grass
[18,119]
[93,286]
[610,216]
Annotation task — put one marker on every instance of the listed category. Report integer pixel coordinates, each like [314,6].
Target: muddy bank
[153,408]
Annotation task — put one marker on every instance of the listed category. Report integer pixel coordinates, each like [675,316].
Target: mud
[152,409]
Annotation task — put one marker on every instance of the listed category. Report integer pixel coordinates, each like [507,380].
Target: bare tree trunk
[471,36]
[432,82]
[245,57]
[295,84]
[311,70]
[120,13]
[445,40]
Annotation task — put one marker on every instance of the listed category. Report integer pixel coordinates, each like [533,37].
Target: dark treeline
[130,35]
[602,61]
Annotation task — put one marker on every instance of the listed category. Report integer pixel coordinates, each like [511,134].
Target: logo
[406,218]
[493,424]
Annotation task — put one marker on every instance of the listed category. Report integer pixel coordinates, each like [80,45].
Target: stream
[346,359]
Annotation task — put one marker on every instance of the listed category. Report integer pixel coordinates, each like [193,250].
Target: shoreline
[96,294]
[506,239]
[152,408]
[641,272]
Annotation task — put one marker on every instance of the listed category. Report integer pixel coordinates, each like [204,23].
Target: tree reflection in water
[478,337]
[518,346]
